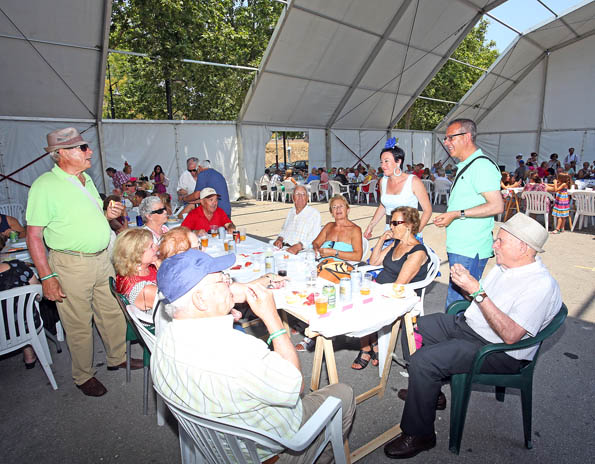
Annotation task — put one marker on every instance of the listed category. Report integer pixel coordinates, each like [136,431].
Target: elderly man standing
[302,224]
[516,300]
[187,180]
[475,199]
[209,177]
[208,214]
[65,210]
[240,380]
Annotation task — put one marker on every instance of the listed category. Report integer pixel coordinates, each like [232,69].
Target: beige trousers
[85,283]
[310,403]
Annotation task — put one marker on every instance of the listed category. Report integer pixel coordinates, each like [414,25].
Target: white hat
[528,230]
[207,192]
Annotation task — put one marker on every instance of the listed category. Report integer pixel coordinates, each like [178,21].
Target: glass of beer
[204,241]
[366,287]
[242,234]
[214,232]
[321,304]
[226,245]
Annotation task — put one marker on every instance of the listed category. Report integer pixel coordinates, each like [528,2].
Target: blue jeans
[475,266]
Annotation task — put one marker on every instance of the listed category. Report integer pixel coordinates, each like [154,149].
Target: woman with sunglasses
[135,262]
[405,261]
[154,215]
[398,189]
[158,179]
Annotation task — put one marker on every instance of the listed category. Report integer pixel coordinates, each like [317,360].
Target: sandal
[362,363]
[374,357]
[307,344]
[555,232]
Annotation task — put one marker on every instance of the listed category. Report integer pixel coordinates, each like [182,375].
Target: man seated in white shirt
[516,300]
[187,180]
[202,364]
[302,224]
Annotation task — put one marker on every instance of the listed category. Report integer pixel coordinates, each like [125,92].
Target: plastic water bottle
[311,271]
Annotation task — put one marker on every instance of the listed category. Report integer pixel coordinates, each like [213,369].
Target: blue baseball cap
[178,274]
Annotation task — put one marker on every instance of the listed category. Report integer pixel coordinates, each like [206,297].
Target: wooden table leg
[329,357]
[409,331]
[375,443]
[317,363]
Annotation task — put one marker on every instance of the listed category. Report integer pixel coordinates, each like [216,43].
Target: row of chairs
[283,191]
[437,189]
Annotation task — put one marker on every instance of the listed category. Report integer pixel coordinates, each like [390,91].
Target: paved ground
[64,426]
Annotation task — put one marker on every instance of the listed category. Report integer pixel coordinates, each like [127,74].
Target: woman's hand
[368,231]
[387,235]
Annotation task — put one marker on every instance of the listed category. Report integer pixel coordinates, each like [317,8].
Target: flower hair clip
[390,143]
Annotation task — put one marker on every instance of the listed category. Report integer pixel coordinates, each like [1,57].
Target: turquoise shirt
[471,236]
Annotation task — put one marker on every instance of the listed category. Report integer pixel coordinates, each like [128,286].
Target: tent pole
[327,145]
[241,162]
[542,103]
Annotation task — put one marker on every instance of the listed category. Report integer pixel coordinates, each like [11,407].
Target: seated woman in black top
[405,261]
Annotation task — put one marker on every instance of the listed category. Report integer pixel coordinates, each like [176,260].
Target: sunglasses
[191,170]
[396,223]
[449,138]
[158,211]
[84,147]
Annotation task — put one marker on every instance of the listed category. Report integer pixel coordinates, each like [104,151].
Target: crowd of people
[244,379]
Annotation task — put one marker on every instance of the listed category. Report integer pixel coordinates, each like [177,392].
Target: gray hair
[55,156]
[185,301]
[205,164]
[467,125]
[192,159]
[148,205]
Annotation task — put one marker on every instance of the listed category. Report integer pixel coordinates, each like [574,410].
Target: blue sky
[522,15]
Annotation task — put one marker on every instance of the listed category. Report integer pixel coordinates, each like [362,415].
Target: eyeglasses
[225,279]
[449,138]
[158,211]
[191,170]
[396,223]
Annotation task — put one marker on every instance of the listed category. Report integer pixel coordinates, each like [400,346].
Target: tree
[452,81]
[223,31]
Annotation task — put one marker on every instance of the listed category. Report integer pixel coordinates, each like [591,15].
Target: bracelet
[276,334]
[49,276]
[479,290]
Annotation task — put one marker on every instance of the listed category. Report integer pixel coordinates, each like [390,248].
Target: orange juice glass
[321,304]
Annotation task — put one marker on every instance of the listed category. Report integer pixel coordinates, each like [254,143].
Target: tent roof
[353,64]
[511,96]
[53,58]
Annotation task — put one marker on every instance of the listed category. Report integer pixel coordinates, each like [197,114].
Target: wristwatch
[462,214]
[480,297]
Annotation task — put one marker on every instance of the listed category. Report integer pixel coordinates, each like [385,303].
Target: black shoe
[440,402]
[406,446]
[135,363]
[30,365]
[93,387]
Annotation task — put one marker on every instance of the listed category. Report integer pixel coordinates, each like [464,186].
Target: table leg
[317,363]
[375,443]
[409,330]
[329,357]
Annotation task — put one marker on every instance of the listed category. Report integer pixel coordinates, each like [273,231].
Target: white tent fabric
[538,96]
[348,64]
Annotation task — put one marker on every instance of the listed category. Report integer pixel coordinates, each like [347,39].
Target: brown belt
[80,253]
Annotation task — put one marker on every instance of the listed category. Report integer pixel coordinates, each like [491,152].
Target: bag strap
[80,186]
[460,173]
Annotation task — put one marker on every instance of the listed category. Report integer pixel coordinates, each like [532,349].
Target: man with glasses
[302,224]
[202,364]
[65,211]
[208,214]
[187,180]
[474,201]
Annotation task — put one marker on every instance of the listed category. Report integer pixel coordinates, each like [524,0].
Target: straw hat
[68,137]
[528,230]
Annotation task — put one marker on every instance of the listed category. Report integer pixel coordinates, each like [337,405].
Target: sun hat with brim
[528,230]
[207,192]
[180,273]
[68,137]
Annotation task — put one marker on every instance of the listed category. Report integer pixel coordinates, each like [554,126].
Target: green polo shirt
[69,219]
[472,236]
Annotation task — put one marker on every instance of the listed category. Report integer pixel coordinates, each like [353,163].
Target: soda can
[269,264]
[139,220]
[236,236]
[14,236]
[331,294]
[356,282]
[345,289]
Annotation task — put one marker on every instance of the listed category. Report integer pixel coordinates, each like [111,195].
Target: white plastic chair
[339,189]
[15,210]
[371,191]
[205,439]
[585,207]
[323,191]
[24,299]
[262,192]
[289,188]
[429,185]
[149,341]
[441,188]
[538,203]
[313,186]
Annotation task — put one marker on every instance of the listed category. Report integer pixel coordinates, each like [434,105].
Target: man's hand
[463,278]
[52,290]
[444,220]
[114,210]
[237,315]
[230,227]
[278,243]
[262,303]
[294,249]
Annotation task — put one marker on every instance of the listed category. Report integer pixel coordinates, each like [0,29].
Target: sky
[522,15]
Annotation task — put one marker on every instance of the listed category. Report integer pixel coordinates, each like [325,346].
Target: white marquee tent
[344,70]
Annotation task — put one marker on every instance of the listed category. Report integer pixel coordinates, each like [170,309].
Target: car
[301,164]
[282,166]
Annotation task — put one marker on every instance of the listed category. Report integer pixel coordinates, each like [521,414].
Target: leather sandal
[363,363]
[374,357]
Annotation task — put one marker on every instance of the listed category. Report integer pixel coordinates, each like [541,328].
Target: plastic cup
[226,245]
[366,287]
[321,302]
[214,232]
[242,234]
[204,241]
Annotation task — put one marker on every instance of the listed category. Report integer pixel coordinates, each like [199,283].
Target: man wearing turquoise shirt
[474,201]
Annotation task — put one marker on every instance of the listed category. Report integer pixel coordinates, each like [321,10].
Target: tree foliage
[452,81]
[222,31]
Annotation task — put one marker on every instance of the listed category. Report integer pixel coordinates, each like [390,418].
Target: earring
[395,172]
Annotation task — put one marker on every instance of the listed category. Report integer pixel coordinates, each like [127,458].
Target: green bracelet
[480,290]
[49,276]
[276,334]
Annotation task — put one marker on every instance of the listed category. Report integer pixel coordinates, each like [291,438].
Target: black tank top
[392,268]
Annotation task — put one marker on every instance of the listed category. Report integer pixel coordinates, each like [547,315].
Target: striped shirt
[207,366]
[303,227]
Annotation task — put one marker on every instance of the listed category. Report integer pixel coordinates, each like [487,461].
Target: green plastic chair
[460,384]
[132,336]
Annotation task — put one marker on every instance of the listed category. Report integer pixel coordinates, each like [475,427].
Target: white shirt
[186,182]
[574,157]
[529,295]
[303,227]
